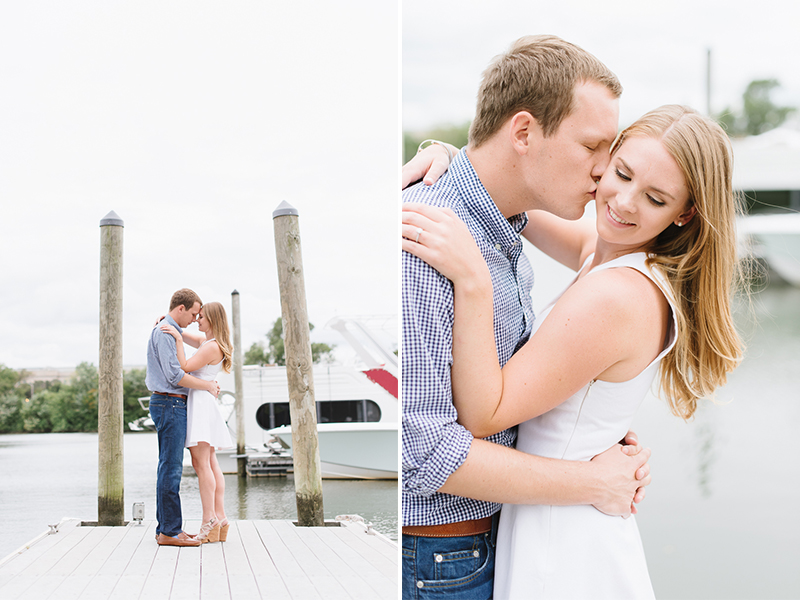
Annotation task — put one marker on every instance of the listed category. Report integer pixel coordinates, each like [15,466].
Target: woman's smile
[616,218]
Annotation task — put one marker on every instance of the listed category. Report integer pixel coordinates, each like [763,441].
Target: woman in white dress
[205,428]
[651,297]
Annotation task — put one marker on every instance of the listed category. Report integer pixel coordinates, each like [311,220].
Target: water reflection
[720,517]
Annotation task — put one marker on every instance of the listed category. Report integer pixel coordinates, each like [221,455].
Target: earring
[679,223]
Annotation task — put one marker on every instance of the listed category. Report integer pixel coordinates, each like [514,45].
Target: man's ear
[523,132]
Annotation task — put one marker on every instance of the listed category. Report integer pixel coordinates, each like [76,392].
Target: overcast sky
[193,121]
[656,48]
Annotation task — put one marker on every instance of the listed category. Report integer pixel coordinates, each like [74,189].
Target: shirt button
[420,584]
[498,247]
[438,558]
[476,554]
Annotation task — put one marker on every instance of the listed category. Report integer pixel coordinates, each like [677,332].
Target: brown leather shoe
[165,540]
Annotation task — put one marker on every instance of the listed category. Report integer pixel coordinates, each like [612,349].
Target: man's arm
[495,473]
[168,357]
[195,383]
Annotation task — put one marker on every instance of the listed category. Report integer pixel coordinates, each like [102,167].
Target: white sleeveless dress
[204,422]
[549,552]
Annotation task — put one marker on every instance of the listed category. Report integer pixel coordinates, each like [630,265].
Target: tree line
[54,406]
[757,114]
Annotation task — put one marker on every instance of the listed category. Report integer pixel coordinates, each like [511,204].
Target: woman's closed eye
[622,175]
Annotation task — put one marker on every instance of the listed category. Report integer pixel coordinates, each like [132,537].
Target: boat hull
[353,450]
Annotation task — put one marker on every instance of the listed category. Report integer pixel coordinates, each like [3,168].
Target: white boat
[776,239]
[357,410]
[353,450]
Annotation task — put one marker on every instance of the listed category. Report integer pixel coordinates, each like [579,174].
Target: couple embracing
[184,409]
[520,473]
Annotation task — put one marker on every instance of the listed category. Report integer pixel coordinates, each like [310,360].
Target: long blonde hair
[218,321]
[699,259]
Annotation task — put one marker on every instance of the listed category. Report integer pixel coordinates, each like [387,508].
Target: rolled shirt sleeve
[434,445]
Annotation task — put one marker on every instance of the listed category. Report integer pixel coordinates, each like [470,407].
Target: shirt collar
[174,324]
[481,206]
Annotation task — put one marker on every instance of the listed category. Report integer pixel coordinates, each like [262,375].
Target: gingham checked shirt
[434,445]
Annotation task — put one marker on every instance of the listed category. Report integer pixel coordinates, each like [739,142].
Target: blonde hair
[218,321]
[538,74]
[699,259]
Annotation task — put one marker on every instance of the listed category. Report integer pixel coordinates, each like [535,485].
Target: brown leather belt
[183,396]
[460,529]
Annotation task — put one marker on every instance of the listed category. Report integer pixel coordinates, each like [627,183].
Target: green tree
[133,388]
[11,411]
[759,114]
[256,355]
[457,135]
[275,353]
[35,414]
[74,407]
[8,379]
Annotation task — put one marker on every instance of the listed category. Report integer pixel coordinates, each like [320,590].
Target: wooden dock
[260,559]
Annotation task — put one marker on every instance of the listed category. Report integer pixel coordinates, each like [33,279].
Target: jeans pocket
[458,564]
[158,410]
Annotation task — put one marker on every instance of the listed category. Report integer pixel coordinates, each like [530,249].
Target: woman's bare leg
[201,461]
[219,492]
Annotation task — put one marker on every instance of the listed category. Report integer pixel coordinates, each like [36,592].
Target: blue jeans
[456,567]
[169,415]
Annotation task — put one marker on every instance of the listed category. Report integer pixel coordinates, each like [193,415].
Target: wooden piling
[241,461]
[297,343]
[110,482]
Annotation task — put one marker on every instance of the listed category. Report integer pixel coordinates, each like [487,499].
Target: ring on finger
[419,233]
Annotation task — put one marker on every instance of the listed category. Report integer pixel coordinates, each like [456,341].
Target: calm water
[46,477]
[721,517]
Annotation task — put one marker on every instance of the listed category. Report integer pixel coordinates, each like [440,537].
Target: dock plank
[20,560]
[37,571]
[369,547]
[291,572]
[82,575]
[260,559]
[162,572]
[383,586]
[265,571]
[136,570]
[296,540]
[241,578]
[213,575]
[186,584]
[352,581]
[108,576]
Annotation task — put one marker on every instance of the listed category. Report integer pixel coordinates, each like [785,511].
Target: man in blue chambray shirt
[546,117]
[168,384]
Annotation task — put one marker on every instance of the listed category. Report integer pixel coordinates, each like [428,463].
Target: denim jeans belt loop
[181,396]
[459,529]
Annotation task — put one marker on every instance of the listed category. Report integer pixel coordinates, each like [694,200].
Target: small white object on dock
[260,559]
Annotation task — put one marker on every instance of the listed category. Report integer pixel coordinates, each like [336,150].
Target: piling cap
[284,208]
[112,218]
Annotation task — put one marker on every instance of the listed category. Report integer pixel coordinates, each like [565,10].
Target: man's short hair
[538,74]
[185,297]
